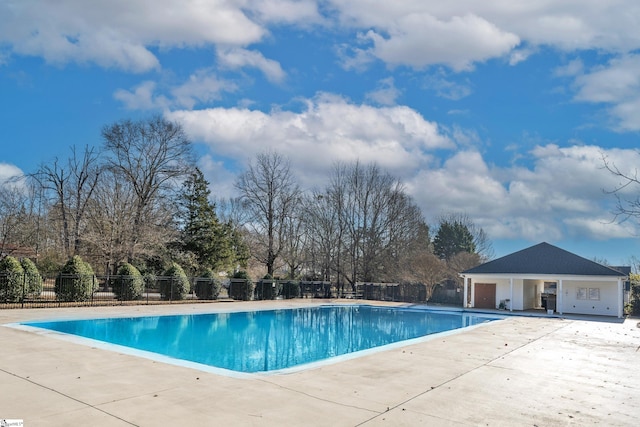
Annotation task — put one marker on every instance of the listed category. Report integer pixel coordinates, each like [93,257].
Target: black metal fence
[26,291]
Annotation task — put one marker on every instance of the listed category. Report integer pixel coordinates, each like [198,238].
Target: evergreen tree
[76,281]
[32,277]
[452,238]
[11,279]
[175,284]
[202,233]
[129,284]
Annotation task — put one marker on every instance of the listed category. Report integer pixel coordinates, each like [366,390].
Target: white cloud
[462,183]
[626,115]
[328,129]
[238,58]
[456,33]
[202,87]
[601,228]
[385,94]
[574,67]
[561,195]
[446,88]
[221,180]
[459,33]
[119,33]
[9,176]
[617,85]
[617,81]
[285,11]
[420,40]
[142,97]
[520,55]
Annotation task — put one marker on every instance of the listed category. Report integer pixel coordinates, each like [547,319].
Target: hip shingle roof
[544,258]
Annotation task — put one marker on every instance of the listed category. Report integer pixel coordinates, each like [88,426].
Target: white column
[466,292]
[473,293]
[510,293]
[620,299]
[559,297]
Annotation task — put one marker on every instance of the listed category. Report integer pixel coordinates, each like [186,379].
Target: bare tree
[424,267]
[71,184]
[153,156]
[370,212]
[364,225]
[13,213]
[110,217]
[270,194]
[627,206]
[294,248]
[322,227]
[408,237]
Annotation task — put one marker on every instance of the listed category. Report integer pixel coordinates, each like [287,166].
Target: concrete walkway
[521,371]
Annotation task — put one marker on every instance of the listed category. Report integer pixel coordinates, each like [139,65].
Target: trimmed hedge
[32,277]
[129,285]
[175,284]
[290,289]
[207,286]
[76,281]
[634,299]
[267,288]
[241,287]
[11,279]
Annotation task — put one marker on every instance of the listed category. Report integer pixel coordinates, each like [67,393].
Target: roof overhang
[545,277]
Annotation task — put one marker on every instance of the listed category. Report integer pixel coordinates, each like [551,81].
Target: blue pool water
[268,340]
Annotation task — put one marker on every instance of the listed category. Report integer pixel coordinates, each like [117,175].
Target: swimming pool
[261,341]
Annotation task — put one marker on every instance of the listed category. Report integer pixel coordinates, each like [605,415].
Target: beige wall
[607,304]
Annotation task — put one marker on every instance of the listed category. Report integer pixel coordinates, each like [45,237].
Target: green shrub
[150,281]
[175,284]
[32,277]
[290,289]
[241,275]
[207,286]
[634,299]
[11,279]
[128,285]
[241,287]
[49,263]
[267,288]
[76,281]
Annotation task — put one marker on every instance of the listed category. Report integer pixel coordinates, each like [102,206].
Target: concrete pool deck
[519,371]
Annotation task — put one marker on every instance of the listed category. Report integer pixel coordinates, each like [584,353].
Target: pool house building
[545,277]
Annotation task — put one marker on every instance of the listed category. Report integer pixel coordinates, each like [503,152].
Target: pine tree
[452,238]
[202,233]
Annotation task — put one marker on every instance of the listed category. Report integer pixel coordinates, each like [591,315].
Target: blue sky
[502,111]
